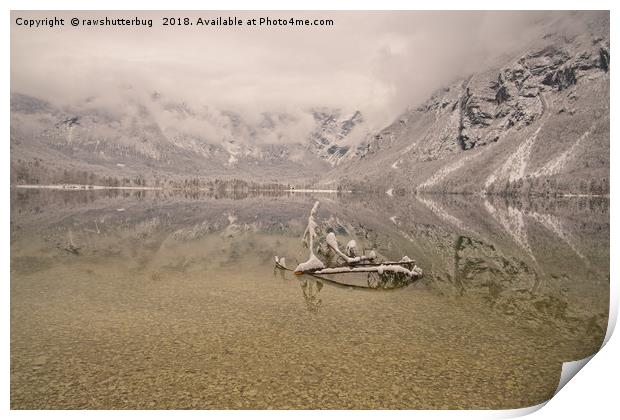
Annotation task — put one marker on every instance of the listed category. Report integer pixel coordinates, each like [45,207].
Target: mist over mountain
[536,123]
[164,139]
[524,108]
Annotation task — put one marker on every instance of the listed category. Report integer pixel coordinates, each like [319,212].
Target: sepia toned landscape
[453,196]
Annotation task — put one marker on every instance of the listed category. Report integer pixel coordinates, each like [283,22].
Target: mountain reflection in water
[157,299]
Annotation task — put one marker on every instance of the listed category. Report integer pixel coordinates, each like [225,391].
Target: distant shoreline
[82,187]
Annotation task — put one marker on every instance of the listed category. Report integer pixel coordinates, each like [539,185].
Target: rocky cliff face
[537,123]
[329,138]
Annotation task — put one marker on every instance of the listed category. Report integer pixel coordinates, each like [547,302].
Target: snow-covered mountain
[330,139]
[160,137]
[537,122]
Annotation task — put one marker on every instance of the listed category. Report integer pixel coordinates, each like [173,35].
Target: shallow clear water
[171,300]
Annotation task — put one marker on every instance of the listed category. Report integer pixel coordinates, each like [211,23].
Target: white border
[594,393]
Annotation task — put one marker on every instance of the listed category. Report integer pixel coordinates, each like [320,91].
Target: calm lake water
[149,299]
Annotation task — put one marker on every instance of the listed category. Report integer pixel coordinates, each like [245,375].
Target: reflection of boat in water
[312,284]
[310,289]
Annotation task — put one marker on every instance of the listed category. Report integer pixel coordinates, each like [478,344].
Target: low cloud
[377,62]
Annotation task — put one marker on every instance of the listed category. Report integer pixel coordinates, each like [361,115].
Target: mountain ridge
[536,123]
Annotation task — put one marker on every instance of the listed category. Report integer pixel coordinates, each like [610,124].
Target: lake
[163,299]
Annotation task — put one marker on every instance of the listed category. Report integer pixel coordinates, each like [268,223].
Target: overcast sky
[377,62]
